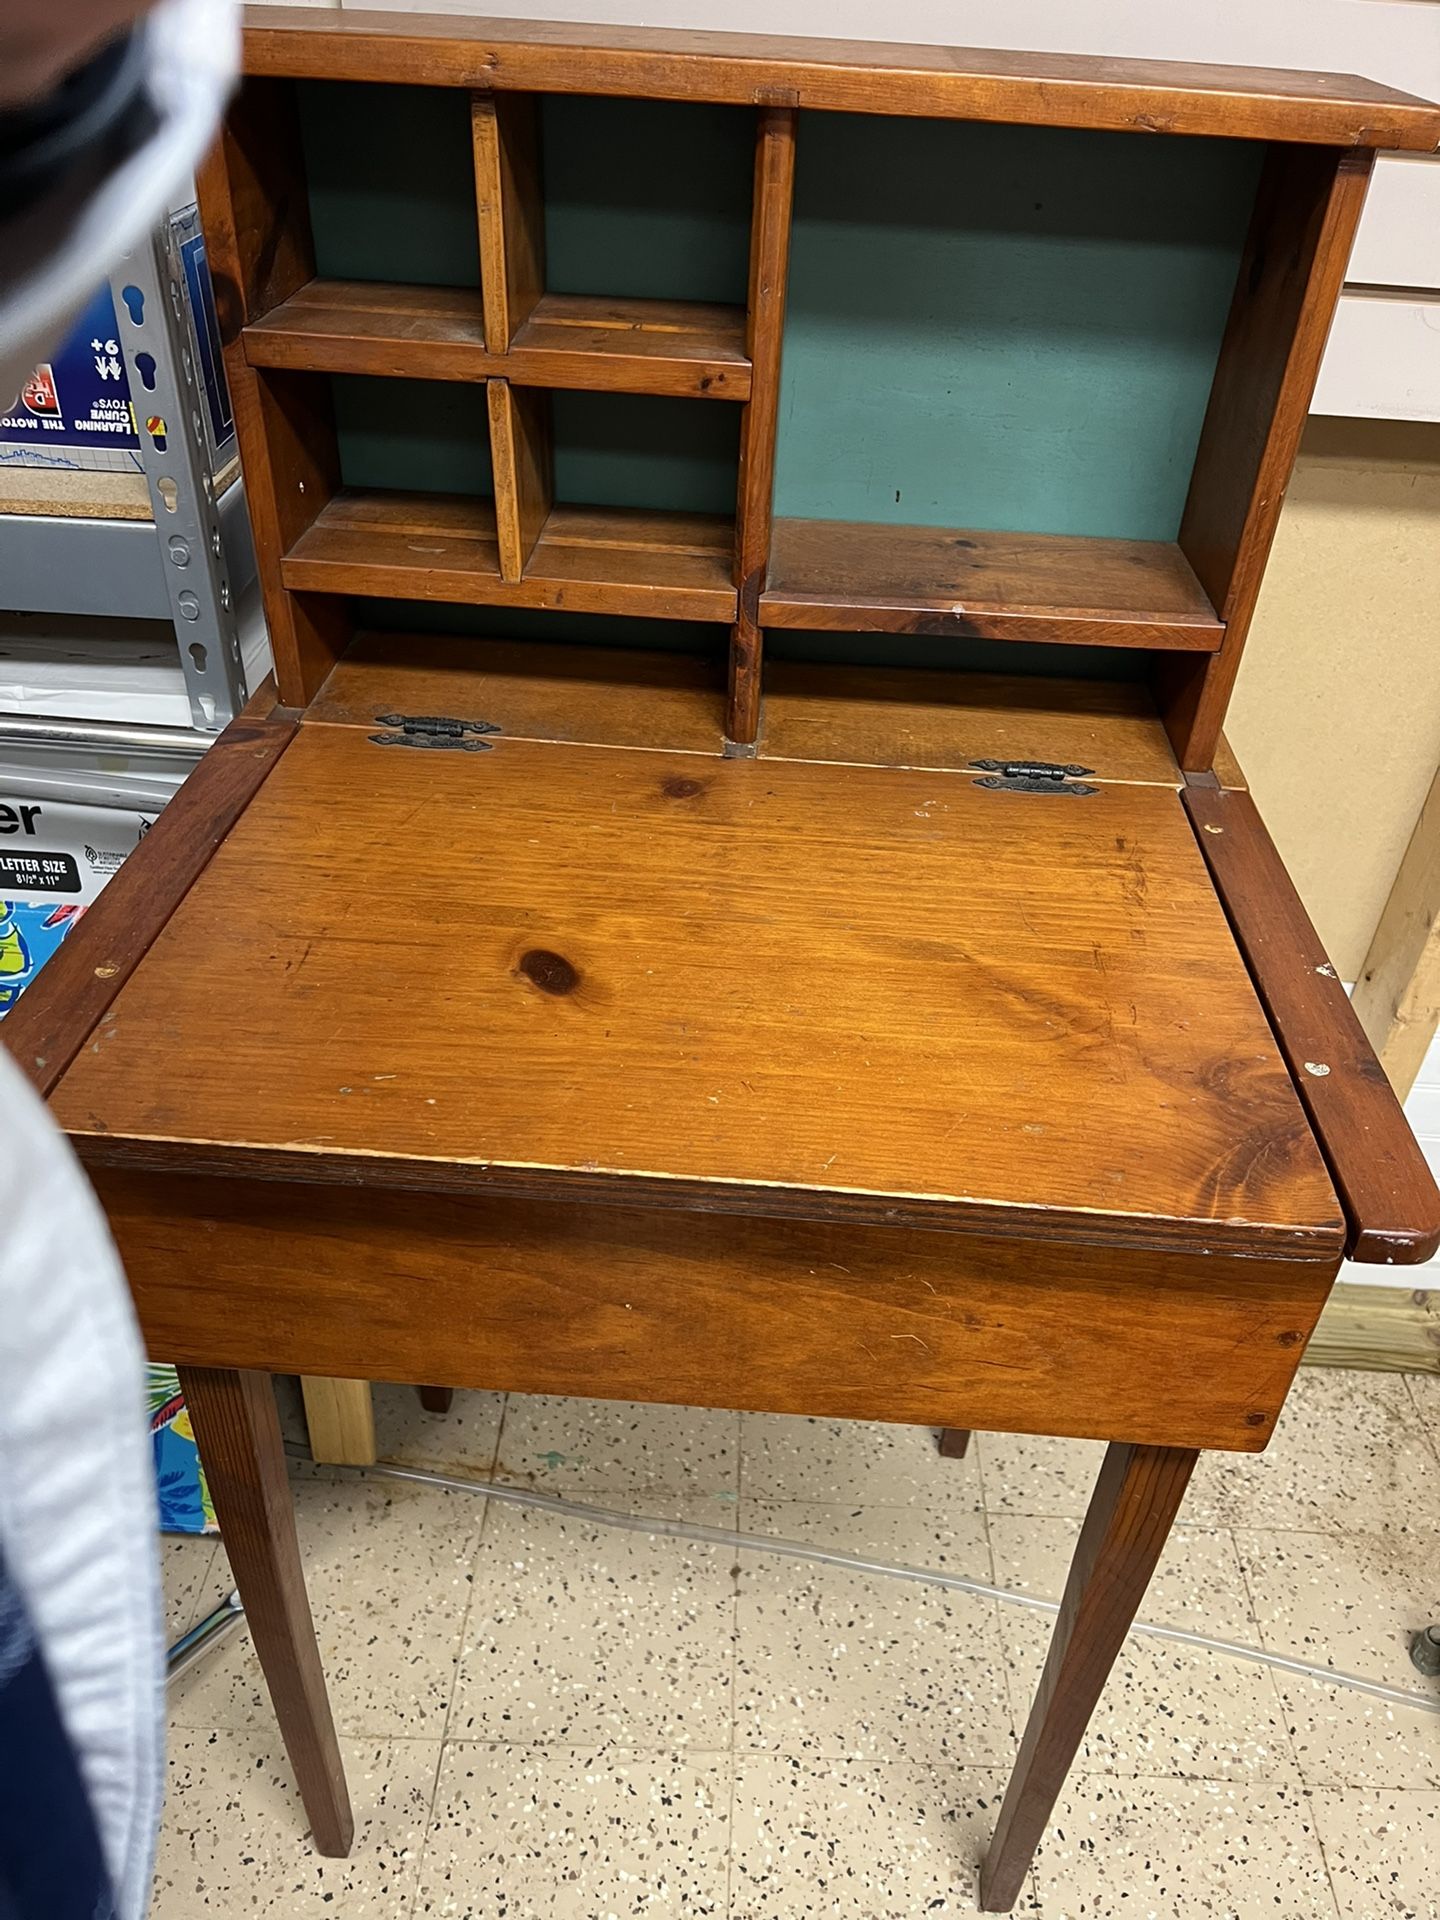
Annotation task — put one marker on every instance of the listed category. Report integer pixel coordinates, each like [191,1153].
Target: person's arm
[106,106]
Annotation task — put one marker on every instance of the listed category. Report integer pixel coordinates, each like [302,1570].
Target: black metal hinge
[1033,776]
[437,730]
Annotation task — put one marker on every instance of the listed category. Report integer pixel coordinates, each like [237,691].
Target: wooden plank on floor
[1398,993]
[1378,1329]
[341,1419]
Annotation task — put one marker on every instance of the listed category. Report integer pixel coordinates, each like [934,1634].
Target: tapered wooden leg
[954,1442]
[1134,1502]
[436,1399]
[237,1431]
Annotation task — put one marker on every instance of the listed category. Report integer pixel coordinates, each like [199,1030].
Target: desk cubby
[1016,375]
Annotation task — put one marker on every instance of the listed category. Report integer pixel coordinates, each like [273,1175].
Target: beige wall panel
[1336,717]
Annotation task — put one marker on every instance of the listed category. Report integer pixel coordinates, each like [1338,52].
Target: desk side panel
[60,1012]
[696,1309]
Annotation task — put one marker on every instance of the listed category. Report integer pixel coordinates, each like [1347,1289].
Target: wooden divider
[1306,212]
[257,225]
[764,329]
[510,209]
[522,462]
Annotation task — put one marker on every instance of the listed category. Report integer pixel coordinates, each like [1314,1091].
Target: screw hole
[134,305]
[199,655]
[168,492]
[145,367]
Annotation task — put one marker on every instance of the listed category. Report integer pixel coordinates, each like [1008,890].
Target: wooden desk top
[829,991]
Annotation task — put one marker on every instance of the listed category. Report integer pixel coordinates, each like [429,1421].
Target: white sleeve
[77,1491]
[57,253]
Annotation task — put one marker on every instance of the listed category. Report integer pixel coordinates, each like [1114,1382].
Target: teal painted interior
[1004,327]
[647,198]
[611,450]
[429,436]
[391,179]
[632,450]
[560,628]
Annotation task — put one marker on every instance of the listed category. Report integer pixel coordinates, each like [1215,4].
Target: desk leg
[954,1442]
[237,1430]
[1135,1500]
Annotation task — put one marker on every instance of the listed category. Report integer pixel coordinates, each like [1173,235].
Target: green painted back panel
[647,198]
[1005,327]
[392,194]
[427,435]
[629,450]
[611,450]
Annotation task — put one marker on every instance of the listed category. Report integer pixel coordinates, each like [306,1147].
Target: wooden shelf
[683,347]
[679,347]
[912,717]
[418,546]
[841,576]
[534,689]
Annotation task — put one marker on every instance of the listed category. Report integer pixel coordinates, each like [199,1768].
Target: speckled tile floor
[546,1720]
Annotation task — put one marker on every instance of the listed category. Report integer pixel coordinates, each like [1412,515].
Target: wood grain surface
[763,984]
[1397,996]
[855,577]
[694,349]
[251,191]
[1128,1522]
[531,690]
[774,194]
[60,1012]
[1392,1206]
[505,135]
[908,717]
[419,546]
[340,1421]
[1040,89]
[522,462]
[869,1323]
[683,347]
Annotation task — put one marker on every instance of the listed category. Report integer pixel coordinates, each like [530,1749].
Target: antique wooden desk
[798,945]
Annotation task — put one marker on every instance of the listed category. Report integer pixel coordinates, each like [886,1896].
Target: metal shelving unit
[191,562]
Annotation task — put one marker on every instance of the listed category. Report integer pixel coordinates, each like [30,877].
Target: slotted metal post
[203,578]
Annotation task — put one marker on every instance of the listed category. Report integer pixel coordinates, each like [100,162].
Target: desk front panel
[872,1323]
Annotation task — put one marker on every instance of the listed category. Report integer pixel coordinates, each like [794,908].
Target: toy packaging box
[74,411]
[54,859]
